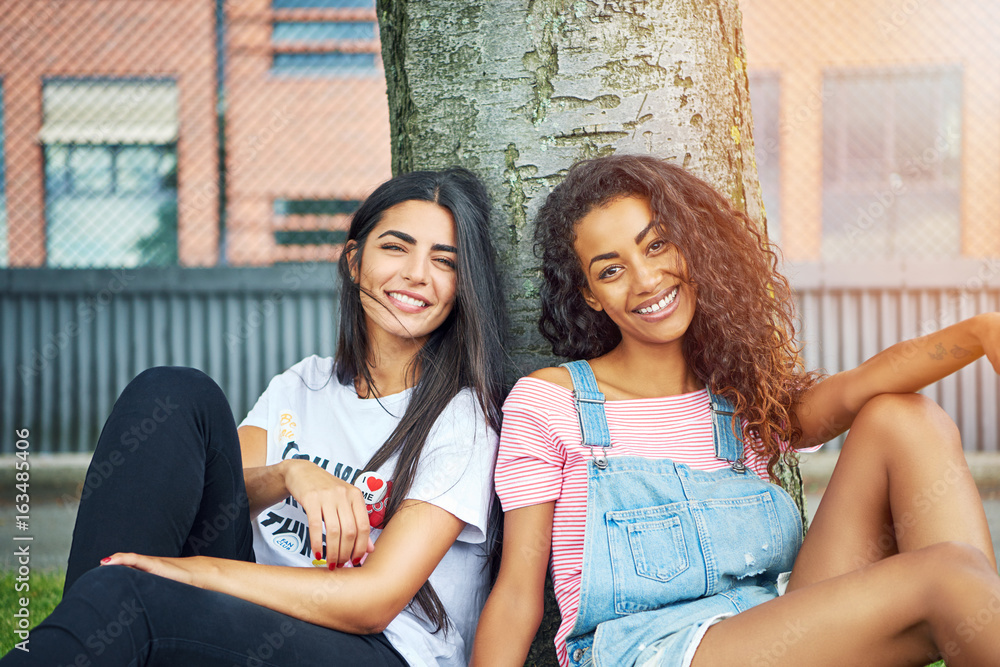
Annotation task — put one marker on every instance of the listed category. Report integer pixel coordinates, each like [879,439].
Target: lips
[661,302]
[408,299]
[407,302]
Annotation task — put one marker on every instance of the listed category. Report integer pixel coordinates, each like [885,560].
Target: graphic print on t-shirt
[288,529]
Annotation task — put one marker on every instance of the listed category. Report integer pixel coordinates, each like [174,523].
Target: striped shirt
[541,459]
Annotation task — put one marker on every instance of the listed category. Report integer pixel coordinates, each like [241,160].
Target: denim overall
[666,547]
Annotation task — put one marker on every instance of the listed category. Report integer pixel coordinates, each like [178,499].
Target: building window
[765,104]
[311,229]
[891,164]
[110,152]
[324,38]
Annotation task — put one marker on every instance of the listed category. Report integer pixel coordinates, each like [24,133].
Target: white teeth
[407,299]
[661,304]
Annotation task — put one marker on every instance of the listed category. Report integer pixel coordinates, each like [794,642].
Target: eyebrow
[402,236]
[645,230]
[638,239]
[406,238]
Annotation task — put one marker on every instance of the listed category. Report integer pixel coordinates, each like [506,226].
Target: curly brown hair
[741,341]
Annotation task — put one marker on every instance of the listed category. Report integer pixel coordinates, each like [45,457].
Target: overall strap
[728,444]
[590,410]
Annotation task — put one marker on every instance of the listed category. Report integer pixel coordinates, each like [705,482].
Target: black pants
[167,480]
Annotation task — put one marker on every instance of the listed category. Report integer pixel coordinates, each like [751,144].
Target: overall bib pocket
[685,550]
[648,552]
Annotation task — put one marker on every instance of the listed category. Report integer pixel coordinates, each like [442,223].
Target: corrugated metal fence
[851,311]
[70,340]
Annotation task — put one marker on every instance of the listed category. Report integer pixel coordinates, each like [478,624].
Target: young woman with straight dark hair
[345,520]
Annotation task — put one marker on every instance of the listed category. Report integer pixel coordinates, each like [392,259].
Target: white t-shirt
[308,414]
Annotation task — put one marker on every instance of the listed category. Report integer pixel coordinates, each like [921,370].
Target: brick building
[307,125]
[876,126]
[109,130]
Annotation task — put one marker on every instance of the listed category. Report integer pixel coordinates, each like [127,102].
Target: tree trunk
[518,90]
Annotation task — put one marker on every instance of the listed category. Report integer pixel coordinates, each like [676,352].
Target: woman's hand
[192,571]
[356,600]
[330,501]
[989,338]
[326,498]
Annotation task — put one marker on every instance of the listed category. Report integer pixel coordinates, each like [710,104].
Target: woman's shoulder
[557,375]
[313,372]
[313,366]
[464,412]
[540,391]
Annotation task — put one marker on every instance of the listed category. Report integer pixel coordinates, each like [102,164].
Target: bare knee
[906,418]
[956,576]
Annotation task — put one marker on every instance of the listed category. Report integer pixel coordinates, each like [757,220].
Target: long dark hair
[741,341]
[465,351]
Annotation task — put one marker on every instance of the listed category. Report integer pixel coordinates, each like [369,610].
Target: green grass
[45,591]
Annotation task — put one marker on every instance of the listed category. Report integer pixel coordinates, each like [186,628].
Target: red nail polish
[331,565]
[356,562]
[319,555]
[106,560]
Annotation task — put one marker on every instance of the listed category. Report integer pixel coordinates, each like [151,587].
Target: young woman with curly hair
[645,470]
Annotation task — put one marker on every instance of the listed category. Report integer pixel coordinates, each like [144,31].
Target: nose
[416,267]
[647,277]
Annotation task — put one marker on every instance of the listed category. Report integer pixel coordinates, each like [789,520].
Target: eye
[609,272]
[658,245]
[393,247]
[446,261]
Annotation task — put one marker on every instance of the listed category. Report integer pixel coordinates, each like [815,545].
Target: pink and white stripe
[542,460]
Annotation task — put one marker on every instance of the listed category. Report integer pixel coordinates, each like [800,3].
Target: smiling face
[633,274]
[407,271]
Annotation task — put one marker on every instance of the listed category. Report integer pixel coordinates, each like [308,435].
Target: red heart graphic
[374,483]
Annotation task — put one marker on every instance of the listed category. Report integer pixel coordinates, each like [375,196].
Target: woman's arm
[325,498]
[827,409]
[358,600]
[514,609]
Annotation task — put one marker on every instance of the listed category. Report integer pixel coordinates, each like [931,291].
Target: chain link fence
[877,127]
[190,132]
[242,133]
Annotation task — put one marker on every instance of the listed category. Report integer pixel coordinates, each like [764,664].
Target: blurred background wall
[176,177]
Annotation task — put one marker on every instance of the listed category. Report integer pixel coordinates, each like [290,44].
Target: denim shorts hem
[699,634]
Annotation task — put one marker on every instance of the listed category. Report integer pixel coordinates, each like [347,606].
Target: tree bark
[518,90]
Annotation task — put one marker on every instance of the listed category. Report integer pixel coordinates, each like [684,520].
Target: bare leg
[898,566]
[908,609]
[901,484]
